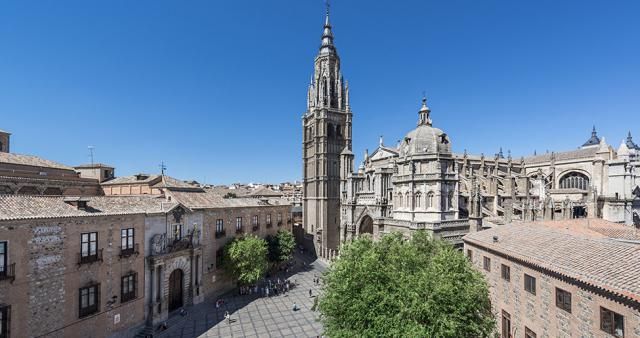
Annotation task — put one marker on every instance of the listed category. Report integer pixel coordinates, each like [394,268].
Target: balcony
[280,223]
[269,225]
[129,251]
[239,230]
[88,259]
[255,227]
[9,272]
[220,234]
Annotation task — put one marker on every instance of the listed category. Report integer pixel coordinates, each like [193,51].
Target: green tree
[404,288]
[281,246]
[246,259]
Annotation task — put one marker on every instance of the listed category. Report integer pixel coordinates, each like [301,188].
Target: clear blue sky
[216,89]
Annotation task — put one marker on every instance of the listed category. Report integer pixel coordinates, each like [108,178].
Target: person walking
[310,293]
[227,316]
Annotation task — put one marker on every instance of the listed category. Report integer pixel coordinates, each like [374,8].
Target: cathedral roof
[630,143]
[593,140]
[425,139]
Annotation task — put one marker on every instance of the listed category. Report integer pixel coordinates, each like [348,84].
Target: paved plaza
[253,316]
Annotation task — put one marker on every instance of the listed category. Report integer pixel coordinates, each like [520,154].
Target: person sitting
[295,307]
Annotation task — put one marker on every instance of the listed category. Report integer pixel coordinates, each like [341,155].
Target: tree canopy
[281,246]
[246,259]
[404,288]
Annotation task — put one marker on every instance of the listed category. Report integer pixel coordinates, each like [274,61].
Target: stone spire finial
[424,113]
[327,46]
[593,140]
[381,142]
[630,143]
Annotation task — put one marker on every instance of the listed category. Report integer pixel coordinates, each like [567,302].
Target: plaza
[255,315]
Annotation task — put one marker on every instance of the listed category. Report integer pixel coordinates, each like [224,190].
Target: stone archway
[176,283]
[366,225]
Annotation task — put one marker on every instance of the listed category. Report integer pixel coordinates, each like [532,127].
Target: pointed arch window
[325,91]
[418,200]
[407,198]
[574,180]
[430,197]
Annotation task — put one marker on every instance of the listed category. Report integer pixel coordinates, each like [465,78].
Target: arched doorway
[366,225]
[175,289]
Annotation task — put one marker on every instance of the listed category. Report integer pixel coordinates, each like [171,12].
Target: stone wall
[539,312]
[44,296]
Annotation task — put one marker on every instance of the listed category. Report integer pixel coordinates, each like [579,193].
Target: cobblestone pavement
[253,316]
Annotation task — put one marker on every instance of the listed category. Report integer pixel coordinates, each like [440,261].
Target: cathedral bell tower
[326,134]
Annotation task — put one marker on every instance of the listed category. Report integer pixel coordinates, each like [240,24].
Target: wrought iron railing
[90,258]
[129,251]
[9,272]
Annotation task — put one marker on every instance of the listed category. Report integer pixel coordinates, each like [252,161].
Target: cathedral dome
[425,139]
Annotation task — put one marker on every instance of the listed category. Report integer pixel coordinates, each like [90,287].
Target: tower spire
[327,47]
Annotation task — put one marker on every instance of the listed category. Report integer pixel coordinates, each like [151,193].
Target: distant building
[421,183]
[561,278]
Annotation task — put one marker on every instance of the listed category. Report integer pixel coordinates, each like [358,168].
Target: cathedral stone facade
[421,183]
[326,140]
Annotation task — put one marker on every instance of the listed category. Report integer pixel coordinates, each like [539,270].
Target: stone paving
[253,316]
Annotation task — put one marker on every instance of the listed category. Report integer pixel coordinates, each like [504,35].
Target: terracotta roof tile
[575,249]
[31,160]
[14,207]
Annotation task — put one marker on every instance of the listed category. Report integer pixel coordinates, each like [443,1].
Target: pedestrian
[295,307]
[267,290]
[310,293]
[227,317]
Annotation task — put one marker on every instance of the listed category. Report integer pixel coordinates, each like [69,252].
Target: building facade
[326,134]
[561,278]
[71,267]
[421,183]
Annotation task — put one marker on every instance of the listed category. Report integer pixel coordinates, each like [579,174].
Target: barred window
[238,223]
[89,300]
[128,287]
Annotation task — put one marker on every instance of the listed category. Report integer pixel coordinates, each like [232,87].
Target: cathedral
[420,183]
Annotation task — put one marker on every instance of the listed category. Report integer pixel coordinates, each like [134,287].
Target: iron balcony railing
[255,227]
[239,230]
[88,259]
[220,234]
[129,251]
[9,272]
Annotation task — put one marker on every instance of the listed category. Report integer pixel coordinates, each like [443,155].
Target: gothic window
[238,223]
[574,180]
[400,200]
[407,198]
[325,91]
[330,130]
[418,201]
[339,131]
[430,196]
[450,200]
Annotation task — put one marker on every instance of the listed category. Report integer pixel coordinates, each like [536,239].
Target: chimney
[79,202]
